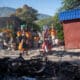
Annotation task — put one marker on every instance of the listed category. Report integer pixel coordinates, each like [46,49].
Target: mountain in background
[42,16]
[7,11]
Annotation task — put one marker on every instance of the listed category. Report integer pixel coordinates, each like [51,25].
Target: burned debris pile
[39,67]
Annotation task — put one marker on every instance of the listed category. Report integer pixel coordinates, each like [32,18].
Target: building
[9,21]
[71,27]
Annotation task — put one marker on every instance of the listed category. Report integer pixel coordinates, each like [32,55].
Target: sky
[49,7]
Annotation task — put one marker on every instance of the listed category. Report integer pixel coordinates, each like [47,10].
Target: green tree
[26,14]
[47,21]
[58,26]
[70,4]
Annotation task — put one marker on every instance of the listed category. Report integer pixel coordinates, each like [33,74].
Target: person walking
[53,35]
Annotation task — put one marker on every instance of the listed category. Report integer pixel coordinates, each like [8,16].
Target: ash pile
[38,67]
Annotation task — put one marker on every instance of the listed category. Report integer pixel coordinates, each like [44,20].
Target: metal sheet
[69,15]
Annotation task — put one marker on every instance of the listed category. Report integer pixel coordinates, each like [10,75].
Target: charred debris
[39,67]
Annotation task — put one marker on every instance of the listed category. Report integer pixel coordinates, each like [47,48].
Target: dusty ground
[57,54]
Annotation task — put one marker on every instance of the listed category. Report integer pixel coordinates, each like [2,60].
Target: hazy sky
[43,6]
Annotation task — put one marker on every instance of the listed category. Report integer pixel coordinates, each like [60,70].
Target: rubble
[38,67]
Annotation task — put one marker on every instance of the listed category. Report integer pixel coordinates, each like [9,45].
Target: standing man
[53,35]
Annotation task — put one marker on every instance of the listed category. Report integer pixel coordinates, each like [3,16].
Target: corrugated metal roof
[69,15]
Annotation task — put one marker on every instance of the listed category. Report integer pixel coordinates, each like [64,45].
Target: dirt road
[57,54]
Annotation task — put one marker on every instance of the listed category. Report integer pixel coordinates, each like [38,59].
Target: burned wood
[39,67]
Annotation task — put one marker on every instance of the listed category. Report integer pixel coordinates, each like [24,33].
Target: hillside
[42,16]
[7,11]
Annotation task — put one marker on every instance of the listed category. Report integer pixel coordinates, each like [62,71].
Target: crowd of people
[26,39]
